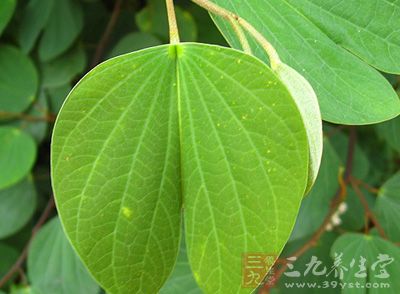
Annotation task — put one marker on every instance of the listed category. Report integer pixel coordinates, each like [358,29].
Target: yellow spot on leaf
[127,212]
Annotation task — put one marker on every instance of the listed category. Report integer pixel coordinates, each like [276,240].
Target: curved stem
[173,27]
[242,37]
[228,15]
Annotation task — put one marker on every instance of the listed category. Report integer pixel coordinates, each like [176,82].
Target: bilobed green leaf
[181,280]
[34,18]
[17,155]
[307,102]
[6,11]
[365,28]
[351,247]
[17,204]
[54,267]
[65,68]
[213,120]
[63,27]
[349,90]
[134,41]
[387,207]
[18,80]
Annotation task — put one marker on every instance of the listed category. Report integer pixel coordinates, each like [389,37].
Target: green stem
[228,15]
[173,27]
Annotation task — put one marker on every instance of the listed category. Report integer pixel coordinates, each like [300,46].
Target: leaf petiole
[173,27]
[231,17]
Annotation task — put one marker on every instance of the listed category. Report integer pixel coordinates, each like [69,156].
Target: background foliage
[47,45]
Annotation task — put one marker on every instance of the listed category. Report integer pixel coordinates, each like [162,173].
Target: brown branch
[23,116]
[21,259]
[107,33]
[368,211]
[367,186]
[344,180]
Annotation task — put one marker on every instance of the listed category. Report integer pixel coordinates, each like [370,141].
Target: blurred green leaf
[18,289]
[17,155]
[18,80]
[206,30]
[348,89]
[36,125]
[133,42]
[181,281]
[65,68]
[54,267]
[57,96]
[316,259]
[134,122]
[6,11]
[34,19]
[354,217]
[360,164]
[350,246]
[63,27]
[8,256]
[390,132]
[315,205]
[387,207]
[17,205]
[153,19]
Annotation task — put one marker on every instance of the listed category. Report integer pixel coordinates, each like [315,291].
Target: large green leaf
[141,126]
[6,11]
[387,207]
[17,205]
[54,267]
[17,155]
[18,80]
[351,248]
[349,90]
[365,28]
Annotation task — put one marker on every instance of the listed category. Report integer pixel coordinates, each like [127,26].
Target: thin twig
[107,33]
[173,27]
[368,211]
[338,198]
[228,15]
[242,37]
[21,259]
[367,186]
[23,116]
